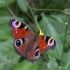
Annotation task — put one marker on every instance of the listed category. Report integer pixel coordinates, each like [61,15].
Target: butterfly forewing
[45,43]
[19,30]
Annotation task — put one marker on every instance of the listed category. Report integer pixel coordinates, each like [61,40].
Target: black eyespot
[22,24]
[37,53]
[18,42]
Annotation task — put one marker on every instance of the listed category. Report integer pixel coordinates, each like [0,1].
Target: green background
[54,20]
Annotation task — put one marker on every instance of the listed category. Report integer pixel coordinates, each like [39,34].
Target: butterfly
[29,44]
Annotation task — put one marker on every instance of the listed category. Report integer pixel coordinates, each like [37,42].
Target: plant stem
[47,10]
[29,16]
[35,18]
[66,28]
[10,11]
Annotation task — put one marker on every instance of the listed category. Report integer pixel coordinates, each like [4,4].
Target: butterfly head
[41,33]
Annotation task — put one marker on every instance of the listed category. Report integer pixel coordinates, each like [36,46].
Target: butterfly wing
[21,46]
[42,44]
[19,30]
[22,35]
[34,54]
[45,43]
[27,44]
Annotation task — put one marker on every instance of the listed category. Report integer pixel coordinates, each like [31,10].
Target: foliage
[54,20]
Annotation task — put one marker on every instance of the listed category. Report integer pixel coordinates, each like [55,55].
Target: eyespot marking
[19,42]
[16,24]
[51,42]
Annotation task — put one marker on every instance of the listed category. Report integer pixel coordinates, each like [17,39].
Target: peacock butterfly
[29,44]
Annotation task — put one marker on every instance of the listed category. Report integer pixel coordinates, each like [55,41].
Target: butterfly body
[29,44]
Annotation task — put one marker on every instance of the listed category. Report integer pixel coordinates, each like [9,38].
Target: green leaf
[5,31]
[60,18]
[4,2]
[59,68]
[22,5]
[4,12]
[49,30]
[68,38]
[66,63]
[26,65]
[8,58]
[52,64]
[56,23]
[4,20]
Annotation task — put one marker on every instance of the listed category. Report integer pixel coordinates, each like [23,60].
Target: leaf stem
[10,11]
[66,28]
[47,10]
[35,18]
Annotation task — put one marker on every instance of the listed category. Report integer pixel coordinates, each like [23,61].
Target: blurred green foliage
[54,16]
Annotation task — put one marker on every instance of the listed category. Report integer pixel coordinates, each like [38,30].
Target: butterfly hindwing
[21,46]
[34,54]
